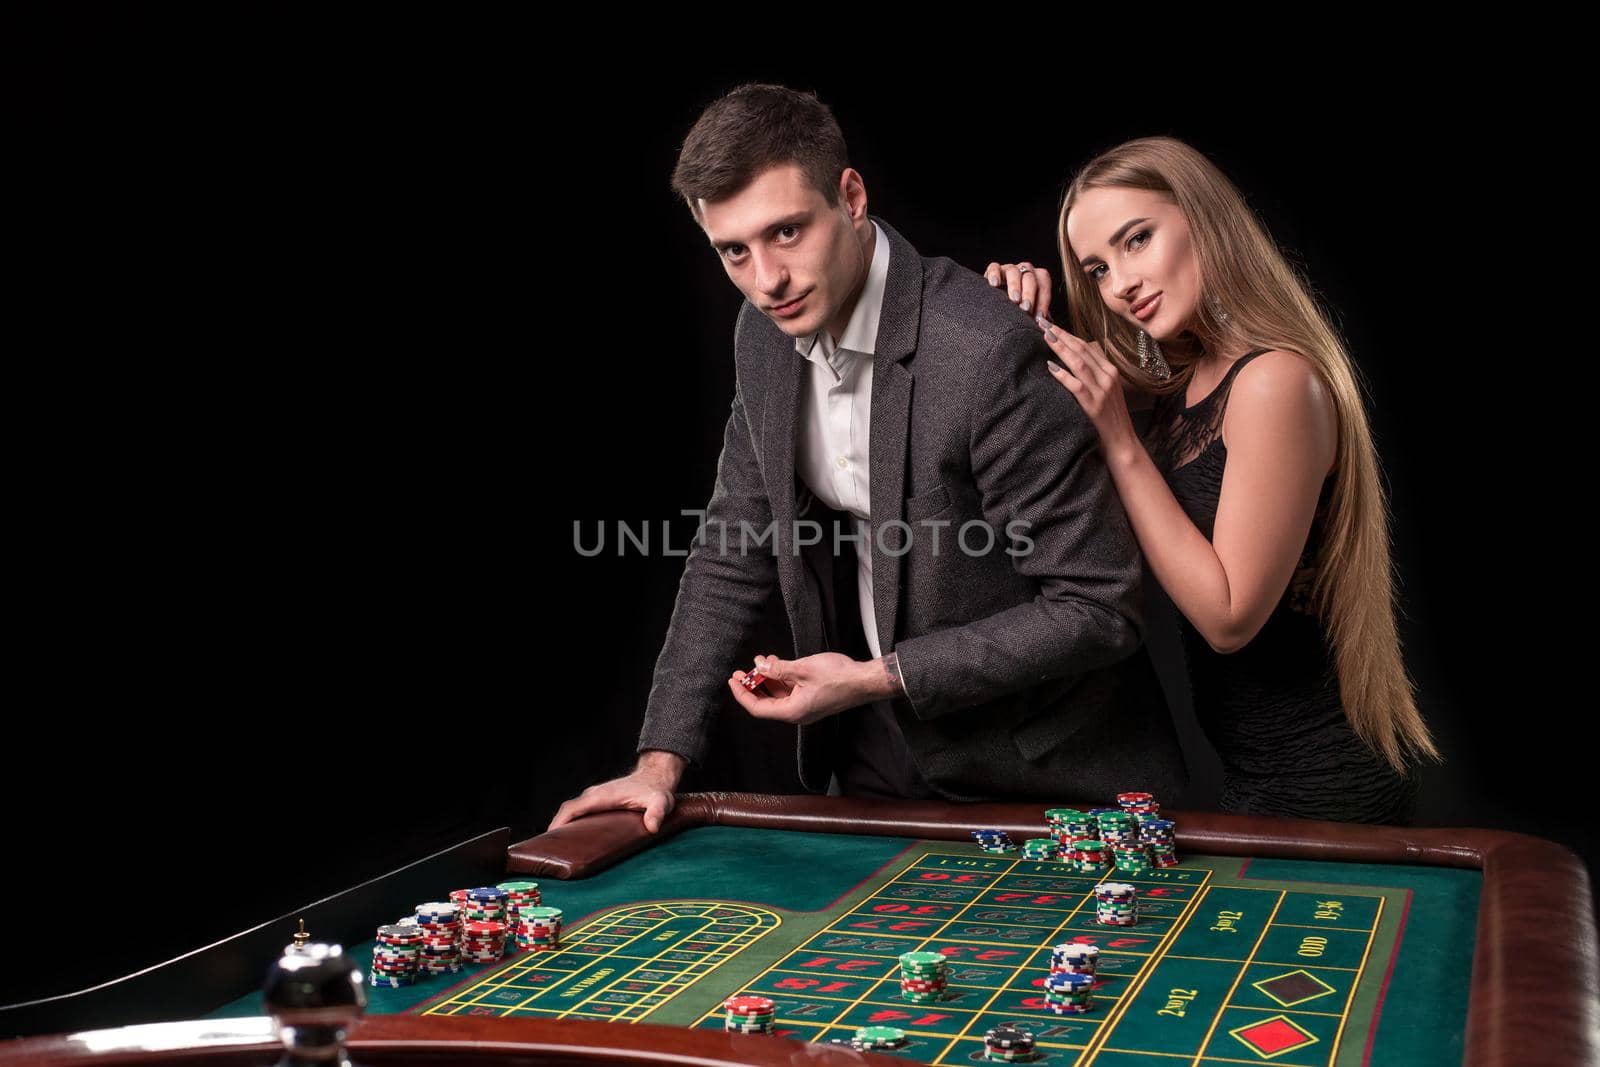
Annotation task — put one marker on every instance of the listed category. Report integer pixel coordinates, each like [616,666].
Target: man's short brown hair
[751,128]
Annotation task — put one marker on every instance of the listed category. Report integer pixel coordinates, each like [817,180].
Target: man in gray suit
[960,579]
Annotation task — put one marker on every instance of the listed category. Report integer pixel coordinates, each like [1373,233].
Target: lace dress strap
[1178,434]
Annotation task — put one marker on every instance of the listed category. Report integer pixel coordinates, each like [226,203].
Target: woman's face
[1133,246]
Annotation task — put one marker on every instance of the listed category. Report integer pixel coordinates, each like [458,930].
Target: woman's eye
[1142,233]
[1094,277]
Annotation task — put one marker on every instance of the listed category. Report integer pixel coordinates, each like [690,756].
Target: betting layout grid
[1133,833]
[1060,979]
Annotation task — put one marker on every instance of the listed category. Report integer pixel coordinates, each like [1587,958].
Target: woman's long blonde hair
[1267,304]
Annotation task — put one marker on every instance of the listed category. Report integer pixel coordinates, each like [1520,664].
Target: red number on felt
[809,983]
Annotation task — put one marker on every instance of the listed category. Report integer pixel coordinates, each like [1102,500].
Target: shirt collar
[861,332]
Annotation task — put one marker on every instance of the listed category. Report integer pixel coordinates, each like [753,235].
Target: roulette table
[1271,941]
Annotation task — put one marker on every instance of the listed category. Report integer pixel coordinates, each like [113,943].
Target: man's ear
[853,193]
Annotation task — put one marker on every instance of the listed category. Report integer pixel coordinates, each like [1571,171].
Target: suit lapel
[898,325]
[777,442]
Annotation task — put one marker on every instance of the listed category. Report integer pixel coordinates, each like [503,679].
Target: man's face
[795,258]
[1133,244]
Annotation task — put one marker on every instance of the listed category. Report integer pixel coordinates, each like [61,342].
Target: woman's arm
[1281,432]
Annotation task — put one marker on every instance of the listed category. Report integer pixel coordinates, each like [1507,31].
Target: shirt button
[843,463]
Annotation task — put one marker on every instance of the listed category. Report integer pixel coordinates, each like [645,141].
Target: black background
[327,336]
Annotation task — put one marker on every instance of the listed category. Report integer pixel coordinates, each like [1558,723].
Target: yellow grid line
[505,977]
[715,955]
[1245,966]
[1142,976]
[511,975]
[1063,924]
[1366,954]
[877,894]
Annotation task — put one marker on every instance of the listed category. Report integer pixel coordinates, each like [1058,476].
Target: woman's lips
[1149,308]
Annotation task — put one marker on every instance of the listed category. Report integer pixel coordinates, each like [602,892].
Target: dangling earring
[1150,360]
[1216,309]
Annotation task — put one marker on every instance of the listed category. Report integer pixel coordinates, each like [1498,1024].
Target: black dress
[1271,709]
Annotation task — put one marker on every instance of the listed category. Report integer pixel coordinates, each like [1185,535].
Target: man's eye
[733,251]
[789,231]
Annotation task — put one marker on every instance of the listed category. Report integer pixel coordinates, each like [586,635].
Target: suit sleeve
[1036,460]
[720,598]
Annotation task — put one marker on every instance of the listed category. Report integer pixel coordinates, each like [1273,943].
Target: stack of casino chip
[1159,836]
[1066,993]
[1074,958]
[396,955]
[870,1038]
[1132,857]
[1008,1044]
[1116,904]
[1040,848]
[486,903]
[441,930]
[994,840]
[483,940]
[460,898]
[749,1014]
[1089,857]
[519,895]
[924,977]
[1059,819]
[1068,828]
[1117,827]
[1077,837]
[1138,803]
[539,928]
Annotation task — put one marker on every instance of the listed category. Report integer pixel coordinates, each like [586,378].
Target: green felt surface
[1281,962]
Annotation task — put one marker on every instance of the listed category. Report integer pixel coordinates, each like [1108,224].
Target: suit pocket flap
[927,504]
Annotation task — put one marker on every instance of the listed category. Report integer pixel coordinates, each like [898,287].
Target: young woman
[1254,491]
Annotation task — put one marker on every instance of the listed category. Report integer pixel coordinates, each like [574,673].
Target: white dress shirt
[835,422]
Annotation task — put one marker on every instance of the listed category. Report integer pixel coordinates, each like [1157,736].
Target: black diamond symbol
[1293,988]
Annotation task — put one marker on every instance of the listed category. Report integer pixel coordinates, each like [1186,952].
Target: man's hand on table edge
[647,789]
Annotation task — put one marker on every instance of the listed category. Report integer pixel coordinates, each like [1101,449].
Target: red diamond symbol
[1273,1036]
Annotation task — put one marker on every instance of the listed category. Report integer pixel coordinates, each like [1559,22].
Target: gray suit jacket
[1023,664]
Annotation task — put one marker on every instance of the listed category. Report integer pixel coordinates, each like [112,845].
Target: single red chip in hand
[755,681]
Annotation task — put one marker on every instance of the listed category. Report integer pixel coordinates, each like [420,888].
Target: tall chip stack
[1120,831]
[1057,819]
[396,955]
[1069,994]
[540,929]
[483,940]
[1160,837]
[1116,904]
[1083,849]
[1074,958]
[519,895]
[441,944]
[924,977]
